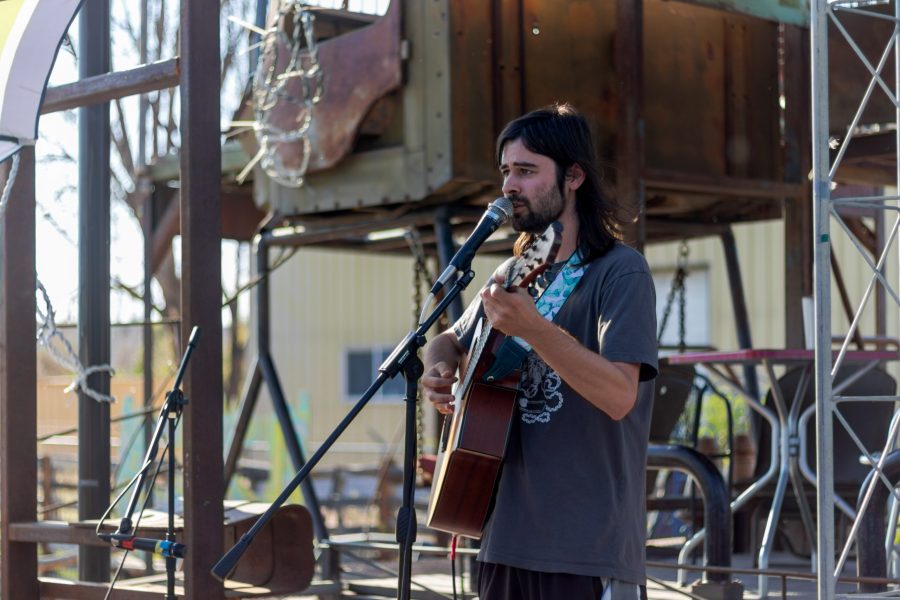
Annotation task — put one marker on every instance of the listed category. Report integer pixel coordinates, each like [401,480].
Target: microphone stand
[168,417]
[404,358]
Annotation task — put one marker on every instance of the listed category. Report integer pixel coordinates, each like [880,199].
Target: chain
[421,278]
[275,82]
[48,335]
[677,289]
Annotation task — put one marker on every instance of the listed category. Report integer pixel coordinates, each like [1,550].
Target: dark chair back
[672,388]
[869,420]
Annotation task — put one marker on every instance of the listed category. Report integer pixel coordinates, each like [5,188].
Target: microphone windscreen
[504,204]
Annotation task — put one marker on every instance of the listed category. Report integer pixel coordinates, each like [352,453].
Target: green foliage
[714,417]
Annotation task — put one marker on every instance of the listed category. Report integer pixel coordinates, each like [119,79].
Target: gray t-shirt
[571,496]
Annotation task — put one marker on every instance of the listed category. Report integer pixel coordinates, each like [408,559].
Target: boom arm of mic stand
[391,367]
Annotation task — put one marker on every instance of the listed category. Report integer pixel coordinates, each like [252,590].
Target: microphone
[161,547]
[498,212]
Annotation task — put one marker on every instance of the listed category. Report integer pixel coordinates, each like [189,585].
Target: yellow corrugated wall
[324,302]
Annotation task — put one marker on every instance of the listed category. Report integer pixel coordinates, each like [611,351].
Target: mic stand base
[406,516]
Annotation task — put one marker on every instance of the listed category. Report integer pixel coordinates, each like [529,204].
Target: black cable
[453,575]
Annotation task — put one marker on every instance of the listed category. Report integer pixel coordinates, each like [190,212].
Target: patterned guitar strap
[514,350]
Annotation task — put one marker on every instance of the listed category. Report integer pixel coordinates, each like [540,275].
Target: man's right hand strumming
[437,387]
[441,360]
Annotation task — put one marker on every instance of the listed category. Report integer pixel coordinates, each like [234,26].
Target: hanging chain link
[293,77]
[48,335]
[677,289]
[52,339]
[421,278]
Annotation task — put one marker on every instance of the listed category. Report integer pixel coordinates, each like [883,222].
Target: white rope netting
[7,189]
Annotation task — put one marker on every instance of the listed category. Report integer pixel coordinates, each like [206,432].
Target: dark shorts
[500,582]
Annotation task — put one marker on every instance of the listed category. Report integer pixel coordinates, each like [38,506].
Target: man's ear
[574,176]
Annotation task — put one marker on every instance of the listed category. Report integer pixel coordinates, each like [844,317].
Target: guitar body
[471,453]
[467,471]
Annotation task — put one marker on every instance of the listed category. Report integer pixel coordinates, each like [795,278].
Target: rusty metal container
[413,102]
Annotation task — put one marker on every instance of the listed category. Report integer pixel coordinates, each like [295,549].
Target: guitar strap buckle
[509,357]
[513,351]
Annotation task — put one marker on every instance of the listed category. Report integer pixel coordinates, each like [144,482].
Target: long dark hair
[561,133]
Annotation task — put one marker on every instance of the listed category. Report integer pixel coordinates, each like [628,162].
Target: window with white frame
[361,370]
[696,306]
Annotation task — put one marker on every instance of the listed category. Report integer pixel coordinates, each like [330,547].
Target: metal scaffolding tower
[872,22]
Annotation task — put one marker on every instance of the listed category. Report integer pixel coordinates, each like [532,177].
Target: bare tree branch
[134,293]
[171,124]
[133,34]
[160,29]
[154,129]
[121,141]
[170,285]
[117,184]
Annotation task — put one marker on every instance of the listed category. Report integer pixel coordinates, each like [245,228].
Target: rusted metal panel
[396,167]
[201,226]
[509,79]
[755,62]
[849,76]
[684,62]
[475,64]
[18,376]
[798,229]
[361,67]
[710,106]
[434,113]
[629,59]
[711,91]
[568,56]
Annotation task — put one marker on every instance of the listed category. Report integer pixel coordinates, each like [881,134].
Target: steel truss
[828,17]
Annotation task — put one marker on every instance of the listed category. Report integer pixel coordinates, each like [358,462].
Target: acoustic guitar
[474,442]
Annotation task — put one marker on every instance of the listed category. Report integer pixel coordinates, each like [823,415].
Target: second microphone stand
[169,415]
[405,359]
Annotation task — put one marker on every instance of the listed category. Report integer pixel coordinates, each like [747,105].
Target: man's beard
[544,210]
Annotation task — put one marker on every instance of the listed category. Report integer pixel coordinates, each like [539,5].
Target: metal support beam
[629,60]
[739,305]
[93,285]
[18,381]
[201,293]
[821,187]
[797,211]
[147,223]
[108,86]
[446,248]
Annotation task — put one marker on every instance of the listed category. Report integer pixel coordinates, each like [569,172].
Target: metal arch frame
[825,14]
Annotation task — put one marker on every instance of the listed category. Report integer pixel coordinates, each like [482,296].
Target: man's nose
[510,187]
